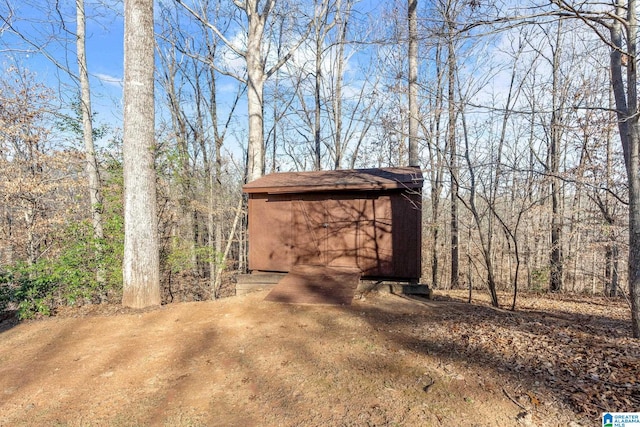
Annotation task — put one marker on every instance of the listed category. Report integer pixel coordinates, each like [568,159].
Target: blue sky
[105,54]
[104,45]
[41,26]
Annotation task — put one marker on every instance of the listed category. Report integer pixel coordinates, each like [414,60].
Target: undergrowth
[68,278]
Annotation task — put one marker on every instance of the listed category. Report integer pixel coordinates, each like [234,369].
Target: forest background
[517,131]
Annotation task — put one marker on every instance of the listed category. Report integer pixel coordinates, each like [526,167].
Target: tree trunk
[93,175]
[627,112]
[633,172]
[453,160]
[633,169]
[612,251]
[255,148]
[556,261]
[611,270]
[342,19]
[317,101]
[255,90]
[413,83]
[141,266]
[436,165]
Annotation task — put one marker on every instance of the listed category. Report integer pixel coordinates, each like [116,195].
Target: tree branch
[213,28]
[302,39]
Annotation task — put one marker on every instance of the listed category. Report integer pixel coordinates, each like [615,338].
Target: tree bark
[556,260]
[626,99]
[413,83]
[255,102]
[93,174]
[316,97]
[453,159]
[436,164]
[342,19]
[632,163]
[627,112]
[141,269]
[256,77]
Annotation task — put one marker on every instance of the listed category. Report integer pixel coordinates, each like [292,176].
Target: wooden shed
[367,219]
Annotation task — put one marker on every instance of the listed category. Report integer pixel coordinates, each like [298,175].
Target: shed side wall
[270,234]
[378,232]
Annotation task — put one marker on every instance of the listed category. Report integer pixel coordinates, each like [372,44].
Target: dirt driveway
[243,361]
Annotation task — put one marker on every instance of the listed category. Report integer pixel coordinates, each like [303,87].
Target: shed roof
[343,180]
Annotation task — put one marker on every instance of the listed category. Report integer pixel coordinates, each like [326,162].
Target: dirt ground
[385,360]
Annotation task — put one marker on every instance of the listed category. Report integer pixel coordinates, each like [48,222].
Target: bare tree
[486,239]
[323,24]
[92,170]
[141,265]
[330,114]
[342,22]
[618,28]
[257,72]
[413,83]
[432,128]
[556,260]
[173,78]
[450,33]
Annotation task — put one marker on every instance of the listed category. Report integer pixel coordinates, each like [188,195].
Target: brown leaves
[576,349]
[40,189]
[534,400]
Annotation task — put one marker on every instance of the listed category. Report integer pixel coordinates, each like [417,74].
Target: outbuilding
[364,219]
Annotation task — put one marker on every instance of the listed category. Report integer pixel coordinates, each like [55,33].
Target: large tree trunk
[141,269]
[255,148]
[255,92]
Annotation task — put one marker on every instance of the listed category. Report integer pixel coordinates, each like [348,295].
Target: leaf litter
[578,347]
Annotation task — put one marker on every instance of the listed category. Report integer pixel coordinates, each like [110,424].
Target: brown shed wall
[377,230]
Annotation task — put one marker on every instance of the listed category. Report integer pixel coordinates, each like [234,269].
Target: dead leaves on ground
[576,349]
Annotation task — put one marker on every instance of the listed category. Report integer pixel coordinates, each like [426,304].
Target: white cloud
[109,80]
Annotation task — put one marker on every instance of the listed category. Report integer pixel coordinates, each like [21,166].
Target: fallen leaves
[576,349]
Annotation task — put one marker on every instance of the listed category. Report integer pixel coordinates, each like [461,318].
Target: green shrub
[66,274]
[29,289]
[539,279]
[6,293]
[66,279]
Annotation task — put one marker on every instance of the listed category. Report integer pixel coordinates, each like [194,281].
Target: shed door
[375,256]
[325,231]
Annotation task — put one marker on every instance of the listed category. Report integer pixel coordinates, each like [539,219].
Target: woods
[525,127]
